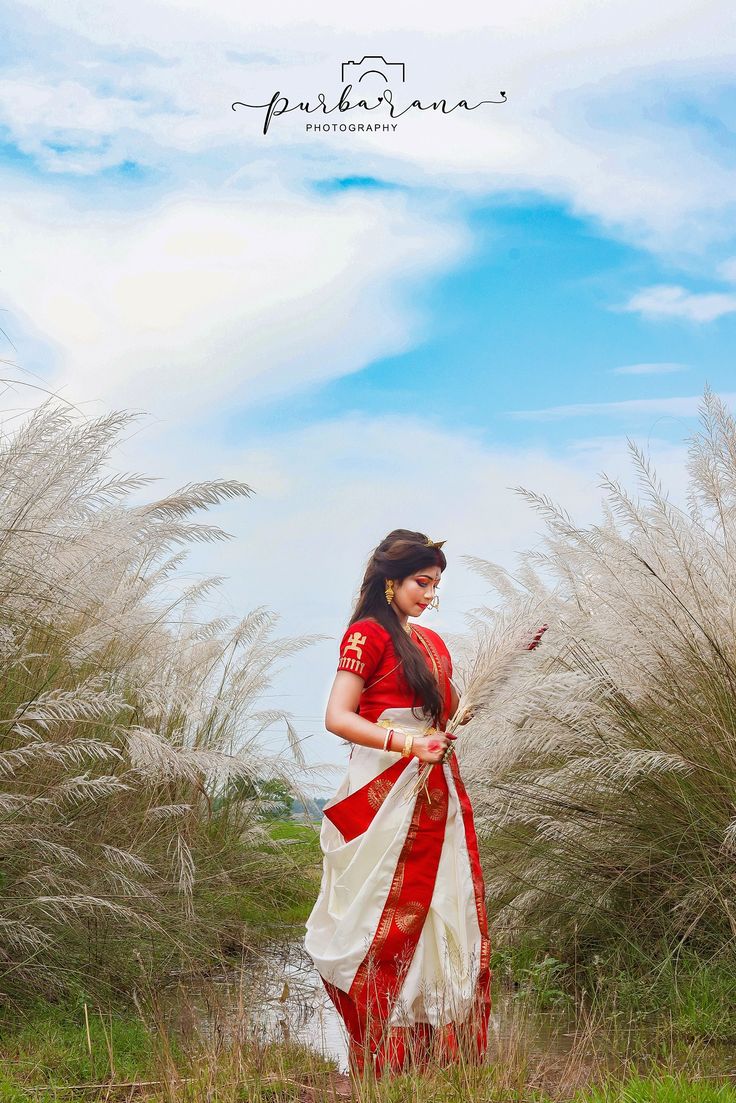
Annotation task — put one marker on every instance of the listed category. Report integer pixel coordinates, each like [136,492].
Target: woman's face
[413,594]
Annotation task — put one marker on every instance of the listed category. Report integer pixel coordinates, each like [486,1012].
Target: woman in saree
[399,933]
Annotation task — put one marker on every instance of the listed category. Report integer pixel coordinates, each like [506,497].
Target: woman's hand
[431,748]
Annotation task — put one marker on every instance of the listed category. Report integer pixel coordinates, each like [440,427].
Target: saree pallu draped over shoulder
[399,932]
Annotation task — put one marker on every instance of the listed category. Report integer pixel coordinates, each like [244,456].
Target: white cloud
[65,124]
[671,301]
[156,81]
[686,406]
[649,369]
[727,270]
[179,304]
[205,301]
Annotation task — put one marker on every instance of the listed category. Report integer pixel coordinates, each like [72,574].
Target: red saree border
[412,886]
[366,1008]
[439,671]
[354,813]
[483,984]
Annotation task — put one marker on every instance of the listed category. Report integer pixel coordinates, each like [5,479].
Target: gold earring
[435,602]
[389,590]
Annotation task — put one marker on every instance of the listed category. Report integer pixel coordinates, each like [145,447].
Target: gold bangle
[408,745]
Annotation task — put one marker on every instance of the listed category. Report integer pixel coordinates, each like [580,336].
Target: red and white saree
[399,932]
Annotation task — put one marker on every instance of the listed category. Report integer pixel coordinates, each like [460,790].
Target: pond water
[292,1004]
[277,995]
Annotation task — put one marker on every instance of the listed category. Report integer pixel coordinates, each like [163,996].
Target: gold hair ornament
[435,543]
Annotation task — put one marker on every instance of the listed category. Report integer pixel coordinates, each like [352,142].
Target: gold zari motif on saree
[378,790]
[436,807]
[410,916]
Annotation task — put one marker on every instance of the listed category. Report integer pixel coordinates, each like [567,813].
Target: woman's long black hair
[400,554]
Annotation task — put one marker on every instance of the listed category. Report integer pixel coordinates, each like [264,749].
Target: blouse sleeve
[362,647]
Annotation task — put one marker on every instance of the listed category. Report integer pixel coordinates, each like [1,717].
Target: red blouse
[367,649]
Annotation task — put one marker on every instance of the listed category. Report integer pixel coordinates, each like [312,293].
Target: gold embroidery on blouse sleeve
[353,662]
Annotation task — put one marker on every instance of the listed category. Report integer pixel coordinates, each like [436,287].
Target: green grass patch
[692,994]
[668,1089]
[303,832]
[684,994]
[49,1045]
[271,888]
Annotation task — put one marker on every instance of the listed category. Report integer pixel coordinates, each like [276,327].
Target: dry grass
[603,775]
[131,736]
[216,1047]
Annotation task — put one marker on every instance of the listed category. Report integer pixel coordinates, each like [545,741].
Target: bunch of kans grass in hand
[495,653]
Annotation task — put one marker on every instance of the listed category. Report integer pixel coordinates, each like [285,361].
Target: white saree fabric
[440,982]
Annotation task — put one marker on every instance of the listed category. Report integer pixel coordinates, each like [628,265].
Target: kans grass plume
[131,757]
[604,775]
[493,654]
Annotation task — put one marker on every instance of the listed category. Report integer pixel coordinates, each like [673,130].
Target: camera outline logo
[398,65]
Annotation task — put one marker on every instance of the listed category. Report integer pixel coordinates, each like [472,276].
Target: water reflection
[293,1002]
[296,1006]
[277,995]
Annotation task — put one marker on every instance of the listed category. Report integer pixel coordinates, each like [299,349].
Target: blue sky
[534,319]
[372,330]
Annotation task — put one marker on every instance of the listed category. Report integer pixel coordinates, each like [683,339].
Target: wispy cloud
[686,406]
[648,369]
[727,270]
[206,302]
[671,301]
[593,133]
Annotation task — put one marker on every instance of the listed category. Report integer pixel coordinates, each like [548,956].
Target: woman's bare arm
[341,718]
